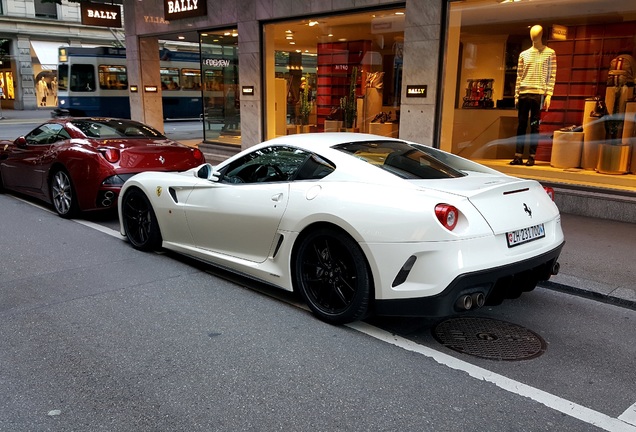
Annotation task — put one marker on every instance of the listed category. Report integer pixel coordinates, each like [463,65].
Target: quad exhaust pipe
[470,301]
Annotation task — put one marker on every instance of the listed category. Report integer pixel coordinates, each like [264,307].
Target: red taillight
[549,191]
[447,215]
[110,154]
[198,155]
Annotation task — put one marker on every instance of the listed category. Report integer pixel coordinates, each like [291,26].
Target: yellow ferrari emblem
[158,191]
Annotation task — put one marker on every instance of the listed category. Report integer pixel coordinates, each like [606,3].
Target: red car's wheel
[332,275]
[140,223]
[62,194]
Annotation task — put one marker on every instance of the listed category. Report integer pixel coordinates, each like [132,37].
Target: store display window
[220,78]
[542,88]
[334,73]
[7,86]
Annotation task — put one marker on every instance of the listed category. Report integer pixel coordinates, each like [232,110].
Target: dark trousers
[528,105]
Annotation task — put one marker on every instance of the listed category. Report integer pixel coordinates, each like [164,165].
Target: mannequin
[536,75]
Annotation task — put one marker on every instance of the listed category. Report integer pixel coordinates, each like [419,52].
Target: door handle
[277,197]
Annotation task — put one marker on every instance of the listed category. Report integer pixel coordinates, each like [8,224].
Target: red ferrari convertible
[80,164]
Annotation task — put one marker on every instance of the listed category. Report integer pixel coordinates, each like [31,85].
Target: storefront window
[551,67]
[334,73]
[6,84]
[219,71]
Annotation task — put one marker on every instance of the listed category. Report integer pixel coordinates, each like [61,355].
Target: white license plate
[525,235]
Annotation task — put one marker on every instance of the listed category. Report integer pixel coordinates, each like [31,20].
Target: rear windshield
[115,128]
[402,159]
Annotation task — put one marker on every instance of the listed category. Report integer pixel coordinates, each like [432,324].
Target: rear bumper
[498,283]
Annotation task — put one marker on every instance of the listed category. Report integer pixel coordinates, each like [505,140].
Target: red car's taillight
[549,191]
[198,155]
[110,154]
[447,215]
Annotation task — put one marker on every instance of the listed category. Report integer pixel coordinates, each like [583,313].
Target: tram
[94,82]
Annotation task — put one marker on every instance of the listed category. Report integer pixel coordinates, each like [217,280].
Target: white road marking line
[564,406]
[629,415]
[98,227]
[105,230]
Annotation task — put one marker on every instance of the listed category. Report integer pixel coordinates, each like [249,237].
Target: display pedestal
[629,131]
[384,129]
[594,134]
[333,125]
[566,149]
[613,159]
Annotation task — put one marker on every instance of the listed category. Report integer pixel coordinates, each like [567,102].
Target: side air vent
[173,194]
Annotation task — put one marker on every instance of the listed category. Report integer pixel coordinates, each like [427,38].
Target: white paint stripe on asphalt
[629,415]
[98,227]
[564,406]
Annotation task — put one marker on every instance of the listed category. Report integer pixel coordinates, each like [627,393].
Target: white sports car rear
[357,224]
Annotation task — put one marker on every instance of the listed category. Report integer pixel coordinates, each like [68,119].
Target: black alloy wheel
[140,223]
[332,275]
[63,195]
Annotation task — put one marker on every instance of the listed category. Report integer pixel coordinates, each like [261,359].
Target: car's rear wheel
[140,222]
[332,275]
[63,195]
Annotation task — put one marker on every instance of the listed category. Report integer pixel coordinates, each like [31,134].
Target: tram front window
[82,78]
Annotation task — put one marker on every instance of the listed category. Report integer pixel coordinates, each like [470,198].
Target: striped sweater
[536,72]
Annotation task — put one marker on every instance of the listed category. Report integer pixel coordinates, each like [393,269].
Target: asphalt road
[97,336]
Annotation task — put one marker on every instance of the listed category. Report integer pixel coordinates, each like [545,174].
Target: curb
[592,295]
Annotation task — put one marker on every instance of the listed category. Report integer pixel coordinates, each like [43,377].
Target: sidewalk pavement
[598,260]
[26,116]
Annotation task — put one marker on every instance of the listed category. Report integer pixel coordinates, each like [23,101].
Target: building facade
[445,73]
[30,34]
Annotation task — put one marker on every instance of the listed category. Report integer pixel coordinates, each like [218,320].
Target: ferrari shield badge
[158,191]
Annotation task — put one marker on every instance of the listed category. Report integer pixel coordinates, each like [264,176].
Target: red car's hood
[149,154]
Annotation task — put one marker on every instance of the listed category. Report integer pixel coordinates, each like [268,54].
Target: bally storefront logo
[101,15]
[178,9]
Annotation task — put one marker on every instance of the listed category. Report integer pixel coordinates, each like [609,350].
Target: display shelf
[335,61]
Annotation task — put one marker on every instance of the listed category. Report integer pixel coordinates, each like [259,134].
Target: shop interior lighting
[312,23]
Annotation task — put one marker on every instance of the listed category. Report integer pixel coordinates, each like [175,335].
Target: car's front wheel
[63,195]
[332,275]
[140,222]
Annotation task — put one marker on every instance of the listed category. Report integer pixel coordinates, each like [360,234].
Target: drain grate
[490,339]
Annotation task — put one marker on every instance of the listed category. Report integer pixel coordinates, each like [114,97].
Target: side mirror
[204,171]
[20,142]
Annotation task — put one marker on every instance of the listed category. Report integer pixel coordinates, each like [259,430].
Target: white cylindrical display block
[566,149]
[594,134]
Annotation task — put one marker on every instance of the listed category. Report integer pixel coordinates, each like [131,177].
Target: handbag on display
[600,109]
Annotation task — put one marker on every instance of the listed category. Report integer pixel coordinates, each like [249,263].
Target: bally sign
[177,9]
[416,91]
[100,14]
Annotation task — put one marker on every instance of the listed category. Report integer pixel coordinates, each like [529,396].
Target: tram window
[191,79]
[170,78]
[62,77]
[113,77]
[82,78]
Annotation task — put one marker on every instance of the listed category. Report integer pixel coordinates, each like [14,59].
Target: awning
[46,53]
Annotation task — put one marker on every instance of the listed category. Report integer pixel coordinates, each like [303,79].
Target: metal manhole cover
[489,339]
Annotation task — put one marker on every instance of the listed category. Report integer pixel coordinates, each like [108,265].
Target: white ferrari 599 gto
[356,224]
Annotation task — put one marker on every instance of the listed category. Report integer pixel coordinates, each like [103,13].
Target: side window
[47,134]
[169,78]
[82,78]
[276,164]
[113,77]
